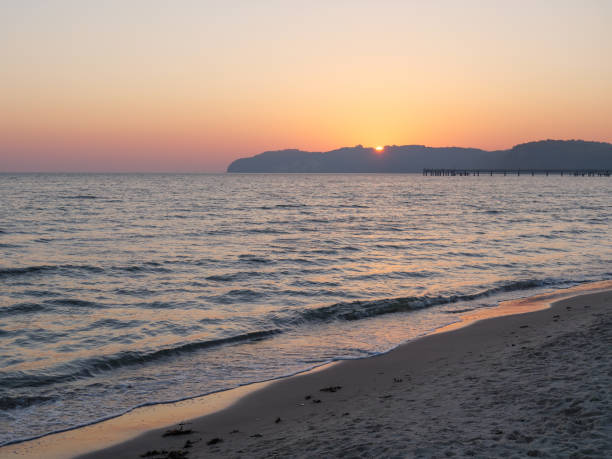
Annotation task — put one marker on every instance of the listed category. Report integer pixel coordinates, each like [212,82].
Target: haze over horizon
[192,86]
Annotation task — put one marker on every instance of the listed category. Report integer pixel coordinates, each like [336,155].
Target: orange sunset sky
[150,85]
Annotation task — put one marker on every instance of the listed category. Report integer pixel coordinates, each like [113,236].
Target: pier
[517,172]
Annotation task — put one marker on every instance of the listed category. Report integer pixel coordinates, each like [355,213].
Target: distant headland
[554,154]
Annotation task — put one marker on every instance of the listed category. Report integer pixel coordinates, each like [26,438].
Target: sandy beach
[529,384]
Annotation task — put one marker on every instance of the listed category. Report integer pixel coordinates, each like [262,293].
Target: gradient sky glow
[152,85]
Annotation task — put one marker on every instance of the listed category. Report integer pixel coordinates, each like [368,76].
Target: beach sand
[533,384]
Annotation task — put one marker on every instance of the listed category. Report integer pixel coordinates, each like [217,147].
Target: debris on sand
[180,431]
[331,389]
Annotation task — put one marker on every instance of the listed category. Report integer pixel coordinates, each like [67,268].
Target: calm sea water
[123,290]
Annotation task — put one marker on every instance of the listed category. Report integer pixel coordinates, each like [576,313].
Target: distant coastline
[557,154]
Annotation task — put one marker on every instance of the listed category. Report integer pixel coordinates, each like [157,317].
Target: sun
[379,148]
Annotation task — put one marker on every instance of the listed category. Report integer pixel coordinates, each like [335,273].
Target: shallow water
[122,290]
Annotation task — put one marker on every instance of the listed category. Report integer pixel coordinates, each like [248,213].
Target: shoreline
[139,430]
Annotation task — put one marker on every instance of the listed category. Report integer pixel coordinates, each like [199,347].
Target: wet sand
[527,384]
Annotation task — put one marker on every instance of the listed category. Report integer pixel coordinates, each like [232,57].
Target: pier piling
[517,172]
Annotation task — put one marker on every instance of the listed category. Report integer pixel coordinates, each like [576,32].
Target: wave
[395,275]
[249,258]
[11,403]
[81,196]
[237,276]
[157,305]
[72,302]
[282,206]
[356,310]
[9,246]
[145,267]
[232,296]
[459,311]
[86,368]
[289,206]
[265,231]
[21,308]
[29,270]
[114,324]
[71,269]
[10,272]
[137,292]
[310,283]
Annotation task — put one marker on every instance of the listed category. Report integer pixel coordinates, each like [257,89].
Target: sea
[124,290]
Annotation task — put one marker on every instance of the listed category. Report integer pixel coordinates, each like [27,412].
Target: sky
[189,86]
